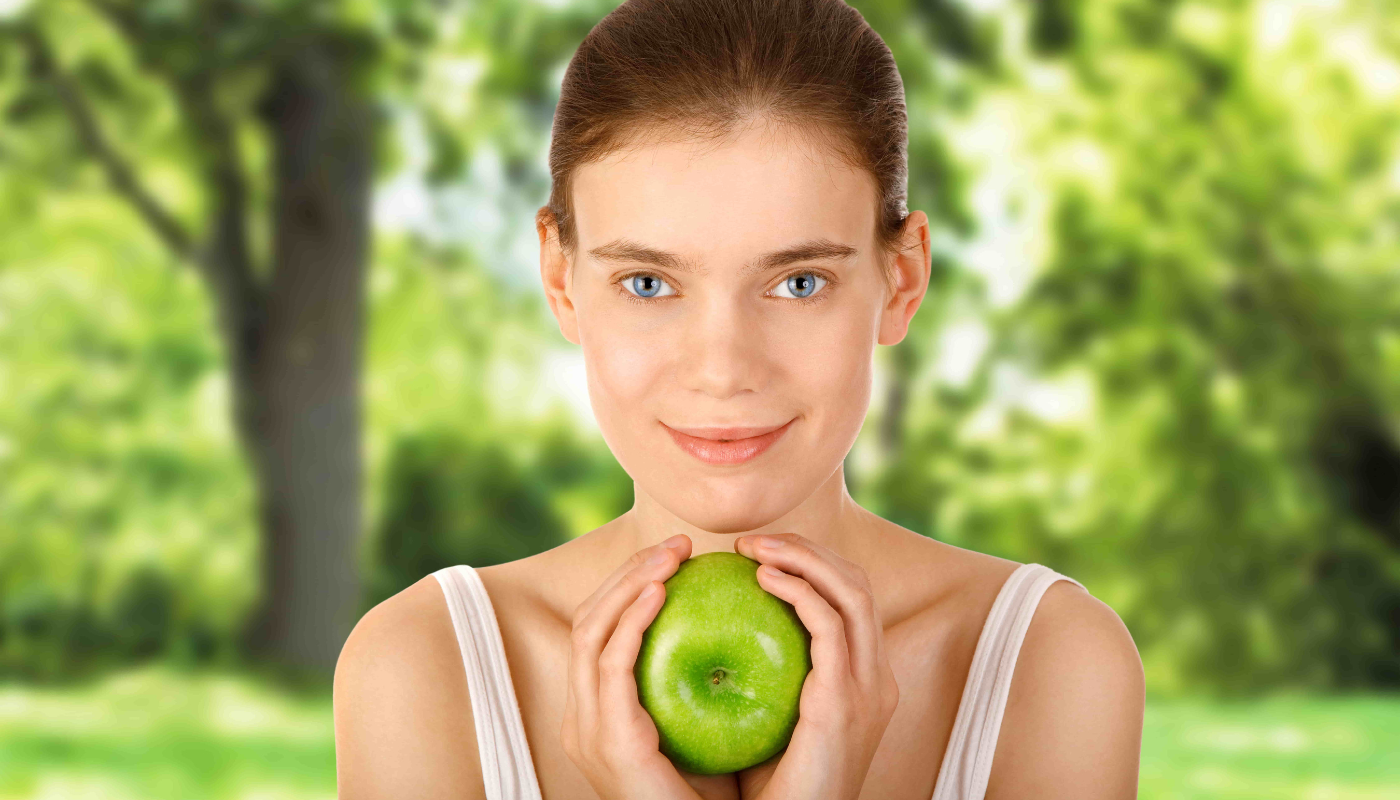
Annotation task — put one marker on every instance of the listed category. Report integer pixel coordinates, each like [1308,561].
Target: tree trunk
[298,382]
[293,337]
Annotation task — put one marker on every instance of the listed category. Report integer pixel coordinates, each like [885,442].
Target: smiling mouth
[726,446]
[730,434]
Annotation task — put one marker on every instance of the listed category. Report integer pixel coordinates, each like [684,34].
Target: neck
[828,517]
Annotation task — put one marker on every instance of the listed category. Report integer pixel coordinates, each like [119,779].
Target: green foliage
[1228,293]
[451,501]
[469,467]
[459,496]
[125,524]
[1210,305]
[1220,289]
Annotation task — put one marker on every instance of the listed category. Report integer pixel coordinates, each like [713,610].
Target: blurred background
[273,347]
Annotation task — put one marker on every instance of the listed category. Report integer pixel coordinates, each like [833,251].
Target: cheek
[620,368]
[830,360]
[627,378]
[626,374]
[619,355]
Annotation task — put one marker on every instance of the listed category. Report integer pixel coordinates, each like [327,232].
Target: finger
[753,779]
[841,583]
[592,631]
[617,689]
[829,652]
[583,687]
[844,584]
[713,786]
[596,626]
[583,663]
[568,730]
[680,543]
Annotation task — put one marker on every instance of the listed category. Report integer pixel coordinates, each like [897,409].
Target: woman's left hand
[849,696]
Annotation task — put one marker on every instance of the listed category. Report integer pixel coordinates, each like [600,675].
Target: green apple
[721,667]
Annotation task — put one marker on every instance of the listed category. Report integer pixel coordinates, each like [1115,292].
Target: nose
[727,349]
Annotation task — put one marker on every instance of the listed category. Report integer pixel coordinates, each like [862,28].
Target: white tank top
[509,774]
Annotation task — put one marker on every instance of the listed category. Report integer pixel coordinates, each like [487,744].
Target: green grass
[1280,748]
[160,734]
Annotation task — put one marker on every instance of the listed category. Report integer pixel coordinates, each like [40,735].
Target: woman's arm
[403,722]
[1073,721]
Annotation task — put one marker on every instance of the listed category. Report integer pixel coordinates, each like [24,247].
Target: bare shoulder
[1073,720]
[403,722]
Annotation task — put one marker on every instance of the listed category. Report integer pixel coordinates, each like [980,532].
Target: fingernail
[657,558]
[675,542]
[769,571]
[649,591]
[768,541]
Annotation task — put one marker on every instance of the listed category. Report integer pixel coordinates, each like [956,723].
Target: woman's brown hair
[698,69]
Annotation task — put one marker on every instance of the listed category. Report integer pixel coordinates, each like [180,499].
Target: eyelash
[815,298]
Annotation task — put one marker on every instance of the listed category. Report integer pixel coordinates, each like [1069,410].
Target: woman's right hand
[606,732]
[851,693]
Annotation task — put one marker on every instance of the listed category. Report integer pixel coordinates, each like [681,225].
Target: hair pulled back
[653,70]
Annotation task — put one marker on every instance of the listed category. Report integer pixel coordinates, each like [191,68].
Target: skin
[895,616]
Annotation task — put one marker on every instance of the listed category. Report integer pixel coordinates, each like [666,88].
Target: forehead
[761,188]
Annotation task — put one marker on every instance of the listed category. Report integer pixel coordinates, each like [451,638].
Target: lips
[726,433]
[733,445]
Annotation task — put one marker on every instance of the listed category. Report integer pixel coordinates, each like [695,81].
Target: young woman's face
[731,287]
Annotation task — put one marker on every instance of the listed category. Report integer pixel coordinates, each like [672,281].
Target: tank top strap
[506,767]
[967,761]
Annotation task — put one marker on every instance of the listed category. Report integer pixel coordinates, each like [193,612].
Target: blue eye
[802,284]
[644,285]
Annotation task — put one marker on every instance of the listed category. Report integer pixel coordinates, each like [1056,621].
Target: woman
[726,240]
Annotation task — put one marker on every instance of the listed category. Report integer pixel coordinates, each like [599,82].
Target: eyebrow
[628,251]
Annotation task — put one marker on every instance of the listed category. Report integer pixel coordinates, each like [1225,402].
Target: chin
[717,512]
[727,523]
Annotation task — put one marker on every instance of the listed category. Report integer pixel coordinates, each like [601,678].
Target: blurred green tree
[246,135]
[455,501]
[290,306]
[1216,189]
[1223,227]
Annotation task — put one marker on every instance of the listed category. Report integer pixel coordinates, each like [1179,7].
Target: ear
[912,267]
[555,273]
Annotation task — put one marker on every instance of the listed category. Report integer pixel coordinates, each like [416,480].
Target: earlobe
[912,267]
